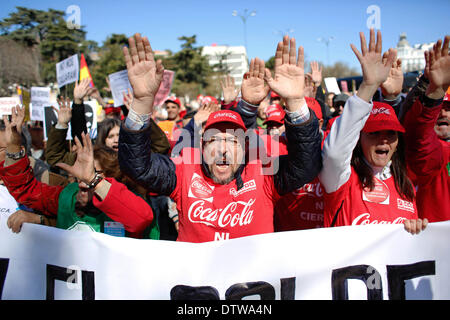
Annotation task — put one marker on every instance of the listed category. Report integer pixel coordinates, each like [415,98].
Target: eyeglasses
[215,141]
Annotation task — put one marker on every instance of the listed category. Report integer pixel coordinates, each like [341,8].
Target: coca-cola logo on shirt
[237,213]
[311,189]
[379,194]
[381,110]
[365,218]
[200,189]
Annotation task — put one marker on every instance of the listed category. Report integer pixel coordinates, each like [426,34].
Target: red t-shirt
[210,211]
[301,209]
[356,206]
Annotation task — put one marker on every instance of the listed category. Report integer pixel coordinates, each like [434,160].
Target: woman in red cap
[364,172]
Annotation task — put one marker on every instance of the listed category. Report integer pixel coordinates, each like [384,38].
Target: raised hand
[64,112]
[144,73]
[393,85]
[316,73]
[289,79]
[204,111]
[230,92]
[127,99]
[81,90]
[253,88]
[375,70]
[13,138]
[83,168]
[437,68]
[17,118]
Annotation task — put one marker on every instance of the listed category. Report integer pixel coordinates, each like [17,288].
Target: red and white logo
[381,110]
[405,205]
[225,114]
[248,186]
[364,219]
[199,189]
[238,213]
[310,189]
[379,194]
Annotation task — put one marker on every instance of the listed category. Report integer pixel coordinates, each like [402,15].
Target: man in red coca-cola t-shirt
[221,190]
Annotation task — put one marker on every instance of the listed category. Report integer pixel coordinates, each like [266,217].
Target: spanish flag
[84,70]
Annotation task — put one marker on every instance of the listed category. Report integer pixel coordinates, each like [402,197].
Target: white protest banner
[356,262]
[119,85]
[7,203]
[40,97]
[67,70]
[332,85]
[6,104]
[164,88]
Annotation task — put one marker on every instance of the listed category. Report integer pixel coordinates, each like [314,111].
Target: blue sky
[163,21]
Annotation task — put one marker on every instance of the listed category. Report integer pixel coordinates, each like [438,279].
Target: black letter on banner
[64,274]
[239,290]
[194,293]
[288,288]
[396,276]
[4,262]
[339,279]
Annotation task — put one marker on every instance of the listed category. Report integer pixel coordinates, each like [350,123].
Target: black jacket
[156,172]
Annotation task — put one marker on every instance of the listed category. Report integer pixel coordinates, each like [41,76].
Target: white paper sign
[332,85]
[119,85]
[51,118]
[358,262]
[7,103]
[67,71]
[40,97]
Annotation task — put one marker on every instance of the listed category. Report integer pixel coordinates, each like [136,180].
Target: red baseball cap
[225,116]
[274,95]
[275,113]
[174,100]
[208,99]
[382,117]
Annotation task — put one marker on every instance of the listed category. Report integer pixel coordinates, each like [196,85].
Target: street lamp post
[327,43]
[244,16]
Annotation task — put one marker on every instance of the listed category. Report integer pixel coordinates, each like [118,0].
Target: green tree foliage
[191,68]
[48,31]
[110,60]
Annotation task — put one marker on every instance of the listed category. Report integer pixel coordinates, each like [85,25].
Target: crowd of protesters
[277,154]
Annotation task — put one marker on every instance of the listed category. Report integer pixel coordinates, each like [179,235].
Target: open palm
[394,83]
[289,79]
[144,74]
[253,86]
[437,67]
[83,168]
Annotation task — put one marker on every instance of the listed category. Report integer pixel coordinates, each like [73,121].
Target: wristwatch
[16,155]
[95,181]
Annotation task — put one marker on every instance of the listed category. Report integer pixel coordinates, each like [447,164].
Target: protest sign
[6,103]
[67,71]
[119,85]
[164,88]
[355,262]
[332,85]
[40,97]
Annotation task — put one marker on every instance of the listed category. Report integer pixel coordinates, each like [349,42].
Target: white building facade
[412,56]
[232,59]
